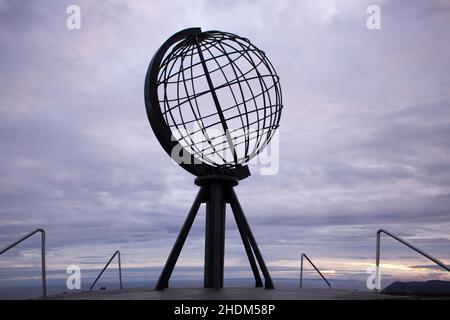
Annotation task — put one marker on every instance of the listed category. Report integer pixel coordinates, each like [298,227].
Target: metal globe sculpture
[214,101]
[219,97]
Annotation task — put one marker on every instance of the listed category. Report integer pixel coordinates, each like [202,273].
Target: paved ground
[223,294]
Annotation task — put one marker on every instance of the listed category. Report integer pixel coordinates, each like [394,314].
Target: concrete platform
[223,294]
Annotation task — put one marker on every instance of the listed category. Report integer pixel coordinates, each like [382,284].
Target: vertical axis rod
[163,281]
[216,102]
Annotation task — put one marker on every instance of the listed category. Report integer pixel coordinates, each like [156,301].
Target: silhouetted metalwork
[217,96]
[106,266]
[213,100]
[378,253]
[43,269]
[314,266]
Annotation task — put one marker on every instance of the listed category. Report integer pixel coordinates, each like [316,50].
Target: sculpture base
[216,191]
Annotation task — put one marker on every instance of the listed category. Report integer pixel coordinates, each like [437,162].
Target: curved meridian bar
[157,122]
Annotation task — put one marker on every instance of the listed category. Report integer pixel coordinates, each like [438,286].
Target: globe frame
[162,131]
[216,190]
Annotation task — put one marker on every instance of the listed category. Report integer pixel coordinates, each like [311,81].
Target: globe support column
[214,235]
[216,191]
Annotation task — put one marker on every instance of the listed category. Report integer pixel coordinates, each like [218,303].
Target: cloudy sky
[364,136]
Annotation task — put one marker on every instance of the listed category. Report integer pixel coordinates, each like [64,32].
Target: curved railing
[301,271]
[42,231]
[378,253]
[106,266]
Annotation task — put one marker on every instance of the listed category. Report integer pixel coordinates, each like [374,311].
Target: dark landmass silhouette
[418,288]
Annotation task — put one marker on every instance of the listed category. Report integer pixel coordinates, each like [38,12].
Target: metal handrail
[42,231]
[438,262]
[301,271]
[106,266]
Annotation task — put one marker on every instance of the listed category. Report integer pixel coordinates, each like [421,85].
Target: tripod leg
[239,214]
[248,250]
[163,281]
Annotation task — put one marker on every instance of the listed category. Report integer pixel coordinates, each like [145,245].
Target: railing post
[106,266]
[120,270]
[377,263]
[378,254]
[301,272]
[43,269]
[314,266]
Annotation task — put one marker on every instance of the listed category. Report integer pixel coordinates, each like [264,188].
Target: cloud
[364,137]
